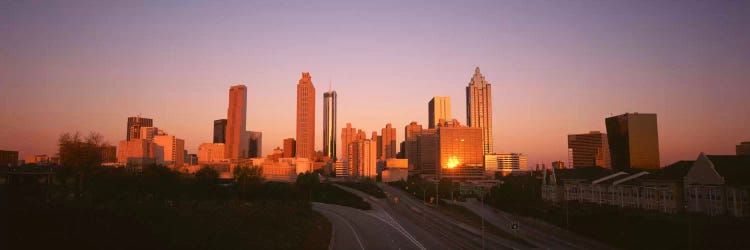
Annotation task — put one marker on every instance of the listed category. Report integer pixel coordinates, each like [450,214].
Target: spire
[476,71]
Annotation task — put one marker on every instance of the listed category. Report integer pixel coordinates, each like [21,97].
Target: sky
[556,67]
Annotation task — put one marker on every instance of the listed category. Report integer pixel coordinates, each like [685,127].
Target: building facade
[439,108]
[633,141]
[585,150]
[305,117]
[290,148]
[220,130]
[134,127]
[211,152]
[255,144]
[743,148]
[479,108]
[174,149]
[329,124]
[236,146]
[461,153]
[8,158]
[388,142]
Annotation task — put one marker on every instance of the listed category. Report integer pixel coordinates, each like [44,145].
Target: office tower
[633,141]
[220,130]
[348,135]
[479,108]
[379,141]
[743,148]
[211,152]
[8,158]
[134,127]
[148,133]
[361,135]
[428,150]
[290,147]
[439,108]
[367,158]
[341,169]
[329,124]
[139,153]
[174,149]
[254,144]
[235,146]
[586,150]
[506,162]
[388,146]
[460,152]
[305,117]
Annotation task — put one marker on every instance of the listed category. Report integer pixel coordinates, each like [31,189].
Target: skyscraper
[174,149]
[460,151]
[633,141]
[389,142]
[329,124]
[220,130]
[290,147]
[586,150]
[134,127]
[439,108]
[255,144]
[348,135]
[305,117]
[236,147]
[479,108]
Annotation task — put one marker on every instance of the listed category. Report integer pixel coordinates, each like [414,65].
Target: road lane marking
[356,236]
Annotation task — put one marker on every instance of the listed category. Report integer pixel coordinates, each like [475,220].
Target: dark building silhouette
[220,130]
[743,148]
[633,141]
[586,150]
[8,158]
[134,127]
[255,144]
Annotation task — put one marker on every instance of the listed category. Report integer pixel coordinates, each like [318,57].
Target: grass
[367,187]
[328,193]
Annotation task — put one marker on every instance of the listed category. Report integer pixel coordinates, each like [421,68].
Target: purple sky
[556,68]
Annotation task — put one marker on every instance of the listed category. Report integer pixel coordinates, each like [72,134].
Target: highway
[541,234]
[358,229]
[430,228]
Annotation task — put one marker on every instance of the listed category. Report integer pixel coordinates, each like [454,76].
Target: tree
[79,156]
[247,177]
[307,182]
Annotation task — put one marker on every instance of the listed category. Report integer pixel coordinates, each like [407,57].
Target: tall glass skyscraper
[329,124]
[479,108]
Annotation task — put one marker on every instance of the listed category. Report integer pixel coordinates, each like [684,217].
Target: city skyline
[699,110]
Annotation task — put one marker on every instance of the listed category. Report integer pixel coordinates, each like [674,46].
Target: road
[358,229]
[428,226]
[538,233]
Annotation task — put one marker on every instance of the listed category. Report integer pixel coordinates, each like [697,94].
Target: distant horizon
[556,69]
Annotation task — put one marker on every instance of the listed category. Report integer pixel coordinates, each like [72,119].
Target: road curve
[357,229]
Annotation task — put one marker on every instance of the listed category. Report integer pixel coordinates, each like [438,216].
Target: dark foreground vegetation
[622,228]
[367,186]
[84,206]
[328,193]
